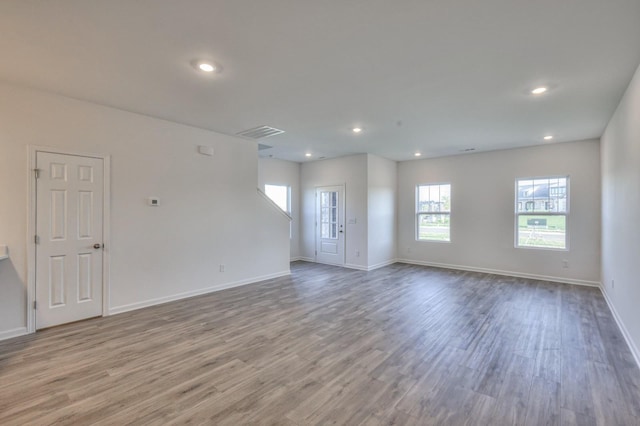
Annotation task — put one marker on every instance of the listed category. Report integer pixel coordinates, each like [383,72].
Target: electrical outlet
[221,268]
[408,249]
[565,263]
[357,253]
[613,283]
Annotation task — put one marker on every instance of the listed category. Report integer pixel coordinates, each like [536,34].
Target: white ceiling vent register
[260,132]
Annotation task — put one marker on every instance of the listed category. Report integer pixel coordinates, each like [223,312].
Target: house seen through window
[542,207]
[433,212]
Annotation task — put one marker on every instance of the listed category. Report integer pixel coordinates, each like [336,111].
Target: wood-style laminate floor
[405,345]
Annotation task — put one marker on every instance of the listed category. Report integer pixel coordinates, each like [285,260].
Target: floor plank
[402,345]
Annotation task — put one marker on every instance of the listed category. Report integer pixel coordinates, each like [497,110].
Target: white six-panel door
[69,216]
[330,225]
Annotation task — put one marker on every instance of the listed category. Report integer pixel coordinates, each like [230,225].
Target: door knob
[97,246]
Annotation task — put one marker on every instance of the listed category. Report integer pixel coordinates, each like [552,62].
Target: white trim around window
[433,212]
[542,213]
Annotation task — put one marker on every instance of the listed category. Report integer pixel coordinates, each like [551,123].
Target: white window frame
[550,214]
[430,212]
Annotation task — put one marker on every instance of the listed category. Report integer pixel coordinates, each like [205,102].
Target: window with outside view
[279,194]
[542,206]
[433,212]
[329,214]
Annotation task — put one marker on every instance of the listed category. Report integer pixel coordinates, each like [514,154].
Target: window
[329,215]
[433,212]
[542,206]
[279,194]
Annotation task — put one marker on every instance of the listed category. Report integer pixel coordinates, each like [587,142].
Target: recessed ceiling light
[206,66]
[548,138]
[357,129]
[539,90]
[308,154]
[417,154]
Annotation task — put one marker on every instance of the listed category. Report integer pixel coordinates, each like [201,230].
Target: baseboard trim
[501,272]
[306,259]
[295,259]
[382,264]
[352,266]
[372,267]
[625,333]
[160,300]
[15,332]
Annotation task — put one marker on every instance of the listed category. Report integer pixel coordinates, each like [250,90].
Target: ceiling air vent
[260,132]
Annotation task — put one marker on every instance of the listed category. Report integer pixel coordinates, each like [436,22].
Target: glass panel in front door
[329,214]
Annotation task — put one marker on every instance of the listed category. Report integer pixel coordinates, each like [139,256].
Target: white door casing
[330,236]
[69,246]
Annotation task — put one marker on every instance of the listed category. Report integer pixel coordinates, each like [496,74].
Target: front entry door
[69,216]
[330,225]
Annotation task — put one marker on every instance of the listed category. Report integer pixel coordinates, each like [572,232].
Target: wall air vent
[260,132]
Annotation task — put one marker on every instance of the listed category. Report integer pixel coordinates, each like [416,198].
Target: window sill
[541,248]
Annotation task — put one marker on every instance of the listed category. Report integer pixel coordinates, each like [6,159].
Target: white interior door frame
[31,229]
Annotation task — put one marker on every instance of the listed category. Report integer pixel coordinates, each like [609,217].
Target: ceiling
[434,76]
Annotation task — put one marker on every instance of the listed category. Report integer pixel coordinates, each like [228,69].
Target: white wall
[279,172]
[208,213]
[620,153]
[350,171]
[482,218]
[382,176]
